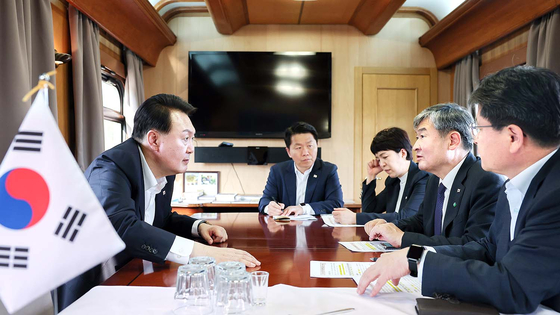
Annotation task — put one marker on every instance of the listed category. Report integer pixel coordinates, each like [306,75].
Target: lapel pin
[314,175]
[458,190]
[164,192]
[405,197]
[454,204]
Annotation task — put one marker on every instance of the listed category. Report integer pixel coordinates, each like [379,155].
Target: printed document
[337,269]
[368,246]
[407,284]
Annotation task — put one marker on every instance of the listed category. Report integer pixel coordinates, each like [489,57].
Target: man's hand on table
[387,232]
[293,210]
[344,216]
[390,266]
[225,254]
[371,224]
[212,233]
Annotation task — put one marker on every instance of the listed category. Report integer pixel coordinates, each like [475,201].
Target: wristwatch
[413,256]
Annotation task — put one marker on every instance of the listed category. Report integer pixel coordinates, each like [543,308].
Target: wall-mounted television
[259,94]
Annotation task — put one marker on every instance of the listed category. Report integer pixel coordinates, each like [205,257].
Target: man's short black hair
[393,139]
[298,128]
[525,96]
[155,112]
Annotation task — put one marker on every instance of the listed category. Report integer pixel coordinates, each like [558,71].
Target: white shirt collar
[450,177]
[150,182]
[403,178]
[306,173]
[522,180]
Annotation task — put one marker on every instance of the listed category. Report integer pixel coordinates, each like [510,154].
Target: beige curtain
[88,99]
[543,45]
[26,51]
[133,88]
[466,78]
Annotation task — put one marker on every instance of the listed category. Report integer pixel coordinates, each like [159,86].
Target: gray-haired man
[458,206]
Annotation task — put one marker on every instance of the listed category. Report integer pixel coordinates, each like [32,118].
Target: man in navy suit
[134,183]
[516,267]
[305,185]
[458,206]
[404,187]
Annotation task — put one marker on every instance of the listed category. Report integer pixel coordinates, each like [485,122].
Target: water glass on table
[209,264]
[259,283]
[192,291]
[233,294]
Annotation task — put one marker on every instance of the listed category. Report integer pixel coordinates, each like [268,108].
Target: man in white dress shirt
[516,267]
[305,185]
[134,183]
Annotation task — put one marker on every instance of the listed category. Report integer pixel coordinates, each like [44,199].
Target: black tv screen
[259,94]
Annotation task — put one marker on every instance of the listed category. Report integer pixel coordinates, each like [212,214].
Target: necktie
[439,208]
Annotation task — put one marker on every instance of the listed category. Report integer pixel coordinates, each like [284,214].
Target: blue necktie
[439,207]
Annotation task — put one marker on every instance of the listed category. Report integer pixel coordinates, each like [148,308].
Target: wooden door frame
[359,72]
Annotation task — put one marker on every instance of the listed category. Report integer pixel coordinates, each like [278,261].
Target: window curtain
[543,45]
[133,88]
[467,78]
[26,52]
[88,98]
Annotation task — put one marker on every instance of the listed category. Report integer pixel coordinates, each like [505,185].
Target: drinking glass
[259,287]
[192,293]
[234,292]
[209,264]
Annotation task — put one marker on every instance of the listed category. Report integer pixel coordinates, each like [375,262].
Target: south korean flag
[52,227]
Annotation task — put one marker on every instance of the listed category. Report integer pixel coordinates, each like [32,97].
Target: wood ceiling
[369,16]
[471,26]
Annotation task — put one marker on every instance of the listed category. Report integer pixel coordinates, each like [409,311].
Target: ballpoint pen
[274,199]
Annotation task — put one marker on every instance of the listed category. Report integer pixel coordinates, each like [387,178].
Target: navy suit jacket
[513,276]
[470,209]
[323,192]
[117,180]
[373,206]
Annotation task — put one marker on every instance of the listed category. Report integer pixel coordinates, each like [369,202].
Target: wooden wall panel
[395,46]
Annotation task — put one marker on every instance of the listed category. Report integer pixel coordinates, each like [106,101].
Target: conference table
[284,250]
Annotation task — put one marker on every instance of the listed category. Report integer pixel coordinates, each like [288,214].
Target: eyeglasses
[476,128]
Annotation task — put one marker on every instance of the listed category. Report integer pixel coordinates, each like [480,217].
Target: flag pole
[44,81]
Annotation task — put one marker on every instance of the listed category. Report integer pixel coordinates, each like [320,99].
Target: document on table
[337,269]
[407,284]
[205,215]
[329,220]
[367,246]
[303,217]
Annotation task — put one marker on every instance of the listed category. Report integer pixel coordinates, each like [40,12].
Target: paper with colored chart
[337,269]
[407,284]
